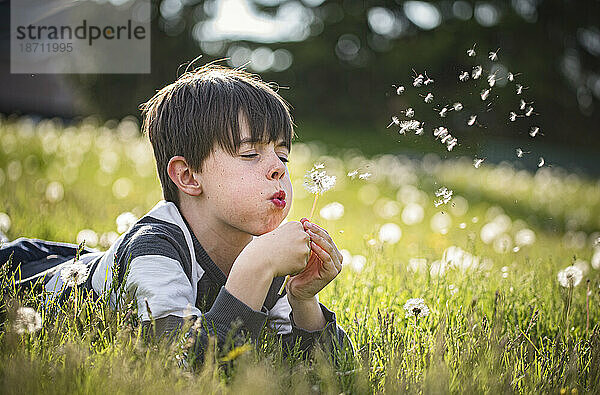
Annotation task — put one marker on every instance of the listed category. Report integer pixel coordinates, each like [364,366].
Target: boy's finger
[326,246]
[324,256]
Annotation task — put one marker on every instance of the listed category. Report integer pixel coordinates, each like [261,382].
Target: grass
[503,324]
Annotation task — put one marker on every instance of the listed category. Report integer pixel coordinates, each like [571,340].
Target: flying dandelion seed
[395,121]
[428,80]
[477,162]
[510,76]
[409,112]
[428,98]
[522,105]
[419,131]
[443,112]
[512,116]
[520,152]
[529,111]
[399,89]
[74,274]
[491,80]
[418,81]
[534,131]
[541,162]
[477,70]
[440,132]
[464,76]
[457,106]
[484,94]
[27,320]
[416,308]
[472,120]
[519,89]
[570,276]
[494,55]
[444,196]
[471,52]
[408,126]
[353,174]
[364,176]
[451,144]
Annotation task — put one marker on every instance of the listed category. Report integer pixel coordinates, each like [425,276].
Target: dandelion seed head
[27,320]
[416,308]
[570,276]
[74,274]
[317,182]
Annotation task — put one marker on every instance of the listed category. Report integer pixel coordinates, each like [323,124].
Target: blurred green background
[336,62]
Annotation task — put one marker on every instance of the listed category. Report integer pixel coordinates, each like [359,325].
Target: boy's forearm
[307,313]
[249,282]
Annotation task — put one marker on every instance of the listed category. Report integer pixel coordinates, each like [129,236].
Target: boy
[213,249]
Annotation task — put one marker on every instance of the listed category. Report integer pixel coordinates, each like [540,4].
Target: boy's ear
[183,176]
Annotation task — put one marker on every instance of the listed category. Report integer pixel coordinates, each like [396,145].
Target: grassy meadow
[486,264]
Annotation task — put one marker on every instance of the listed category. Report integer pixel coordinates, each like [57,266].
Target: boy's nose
[277,170]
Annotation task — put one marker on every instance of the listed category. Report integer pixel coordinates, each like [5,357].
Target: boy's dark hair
[203,108]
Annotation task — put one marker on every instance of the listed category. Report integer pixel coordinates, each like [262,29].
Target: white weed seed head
[74,274]
[27,320]
[317,182]
[534,131]
[529,111]
[570,276]
[429,98]
[522,105]
[512,116]
[477,162]
[471,52]
[494,55]
[485,93]
[472,120]
[477,70]
[541,162]
[463,76]
[409,112]
[416,308]
[457,106]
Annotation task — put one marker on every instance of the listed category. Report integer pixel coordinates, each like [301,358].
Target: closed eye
[284,159]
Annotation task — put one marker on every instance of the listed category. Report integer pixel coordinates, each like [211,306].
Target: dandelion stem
[312,211]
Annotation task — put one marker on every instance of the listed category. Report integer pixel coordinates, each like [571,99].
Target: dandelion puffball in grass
[416,308]
[596,259]
[74,274]
[317,181]
[346,256]
[55,192]
[440,223]
[125,221]
[88,236]
[27,320]
[525,237]
[412,214]
[358,263]
[122,187]
[333,211]
[390,233]
[5,222]
[416,265]
[582,265]
[570,276]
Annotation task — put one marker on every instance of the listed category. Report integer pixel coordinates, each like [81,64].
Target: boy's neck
[223,245]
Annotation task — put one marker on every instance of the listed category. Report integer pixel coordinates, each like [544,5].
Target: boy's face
[250,191]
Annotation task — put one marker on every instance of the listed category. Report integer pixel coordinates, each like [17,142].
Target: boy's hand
[324,264]
[285,250]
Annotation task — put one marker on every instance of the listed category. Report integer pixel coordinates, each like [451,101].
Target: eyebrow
[250,140]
